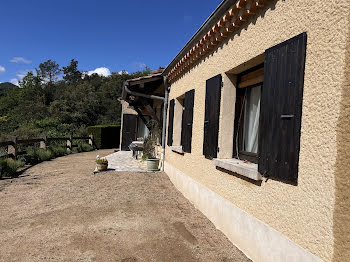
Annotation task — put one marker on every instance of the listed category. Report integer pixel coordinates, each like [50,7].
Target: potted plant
[102,164]
[150,146]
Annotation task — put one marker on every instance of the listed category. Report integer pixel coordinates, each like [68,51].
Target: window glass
[251,119]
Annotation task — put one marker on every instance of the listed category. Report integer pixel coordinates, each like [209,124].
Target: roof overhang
[227,18]
[142,81]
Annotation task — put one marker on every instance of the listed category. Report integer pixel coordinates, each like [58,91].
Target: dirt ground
[60,211]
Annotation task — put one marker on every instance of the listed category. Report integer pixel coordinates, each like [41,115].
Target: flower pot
[102,167]
[153,164]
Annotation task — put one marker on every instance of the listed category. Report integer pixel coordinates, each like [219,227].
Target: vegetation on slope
[44,105]
[6,87]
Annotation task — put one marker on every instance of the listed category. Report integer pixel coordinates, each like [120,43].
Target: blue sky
[113,35]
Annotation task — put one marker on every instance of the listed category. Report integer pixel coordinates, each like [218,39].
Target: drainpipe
[165,110]
[141,94]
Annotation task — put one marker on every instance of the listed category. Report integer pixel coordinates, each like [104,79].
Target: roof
[227,18]
[145,84]
[153,74]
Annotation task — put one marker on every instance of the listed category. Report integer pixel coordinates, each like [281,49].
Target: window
[248,97]
[182,111]
[176,112]
[251,116]
[178,116]
[267,115]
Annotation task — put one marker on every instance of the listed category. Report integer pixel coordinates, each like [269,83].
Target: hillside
[48,105]
[5,87]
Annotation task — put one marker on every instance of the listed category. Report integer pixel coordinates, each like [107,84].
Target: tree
[71,73]
[146,70]
[44,106]
[48,71]
[30,80]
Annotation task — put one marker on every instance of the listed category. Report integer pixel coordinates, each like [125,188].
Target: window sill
[177,149]
[249,170]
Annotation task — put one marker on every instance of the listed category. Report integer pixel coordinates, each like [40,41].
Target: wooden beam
[252,78]
[139,113]
[150,110]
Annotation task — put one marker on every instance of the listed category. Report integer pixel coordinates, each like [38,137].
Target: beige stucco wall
[126,109]
[304,213]
[341,219]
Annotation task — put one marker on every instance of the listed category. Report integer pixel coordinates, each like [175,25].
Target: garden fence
[14,143]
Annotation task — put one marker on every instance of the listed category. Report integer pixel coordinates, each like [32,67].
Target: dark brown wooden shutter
[129,130]
[211,119]
[281,105]
[187,122]
[183,123]
[171,122]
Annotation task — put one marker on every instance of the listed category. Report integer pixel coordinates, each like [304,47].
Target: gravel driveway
[60,211]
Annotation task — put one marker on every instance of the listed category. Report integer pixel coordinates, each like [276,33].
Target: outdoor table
[135,147]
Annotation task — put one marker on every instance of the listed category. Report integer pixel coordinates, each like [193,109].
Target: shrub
[9,167]
[105,136]
[44,155]
[31,157]
[146,156]
[3,152]
[37,155]
[58,151]
[102,161]
[151,142]
[84,147]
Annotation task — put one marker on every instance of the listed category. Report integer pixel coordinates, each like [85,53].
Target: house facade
[258,123]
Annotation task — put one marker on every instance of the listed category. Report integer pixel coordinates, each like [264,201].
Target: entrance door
[129,131]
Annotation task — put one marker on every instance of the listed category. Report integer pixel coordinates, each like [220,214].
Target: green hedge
[82,146]
[8,167]
[105,136]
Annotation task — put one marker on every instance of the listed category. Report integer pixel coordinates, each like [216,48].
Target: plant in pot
[150,146]
[102,164]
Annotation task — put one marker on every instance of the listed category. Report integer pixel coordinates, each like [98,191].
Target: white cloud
[140,65]
[2,70]
[14,81]
[123,72]
[22,73]
[19,59]
[102,71]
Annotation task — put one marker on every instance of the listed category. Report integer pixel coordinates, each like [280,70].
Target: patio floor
[122,161]
[60,211]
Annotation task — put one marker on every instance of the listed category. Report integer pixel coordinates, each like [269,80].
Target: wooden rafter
[150,110]
[139,113]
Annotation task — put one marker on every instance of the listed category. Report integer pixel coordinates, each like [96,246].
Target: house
[258,126]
